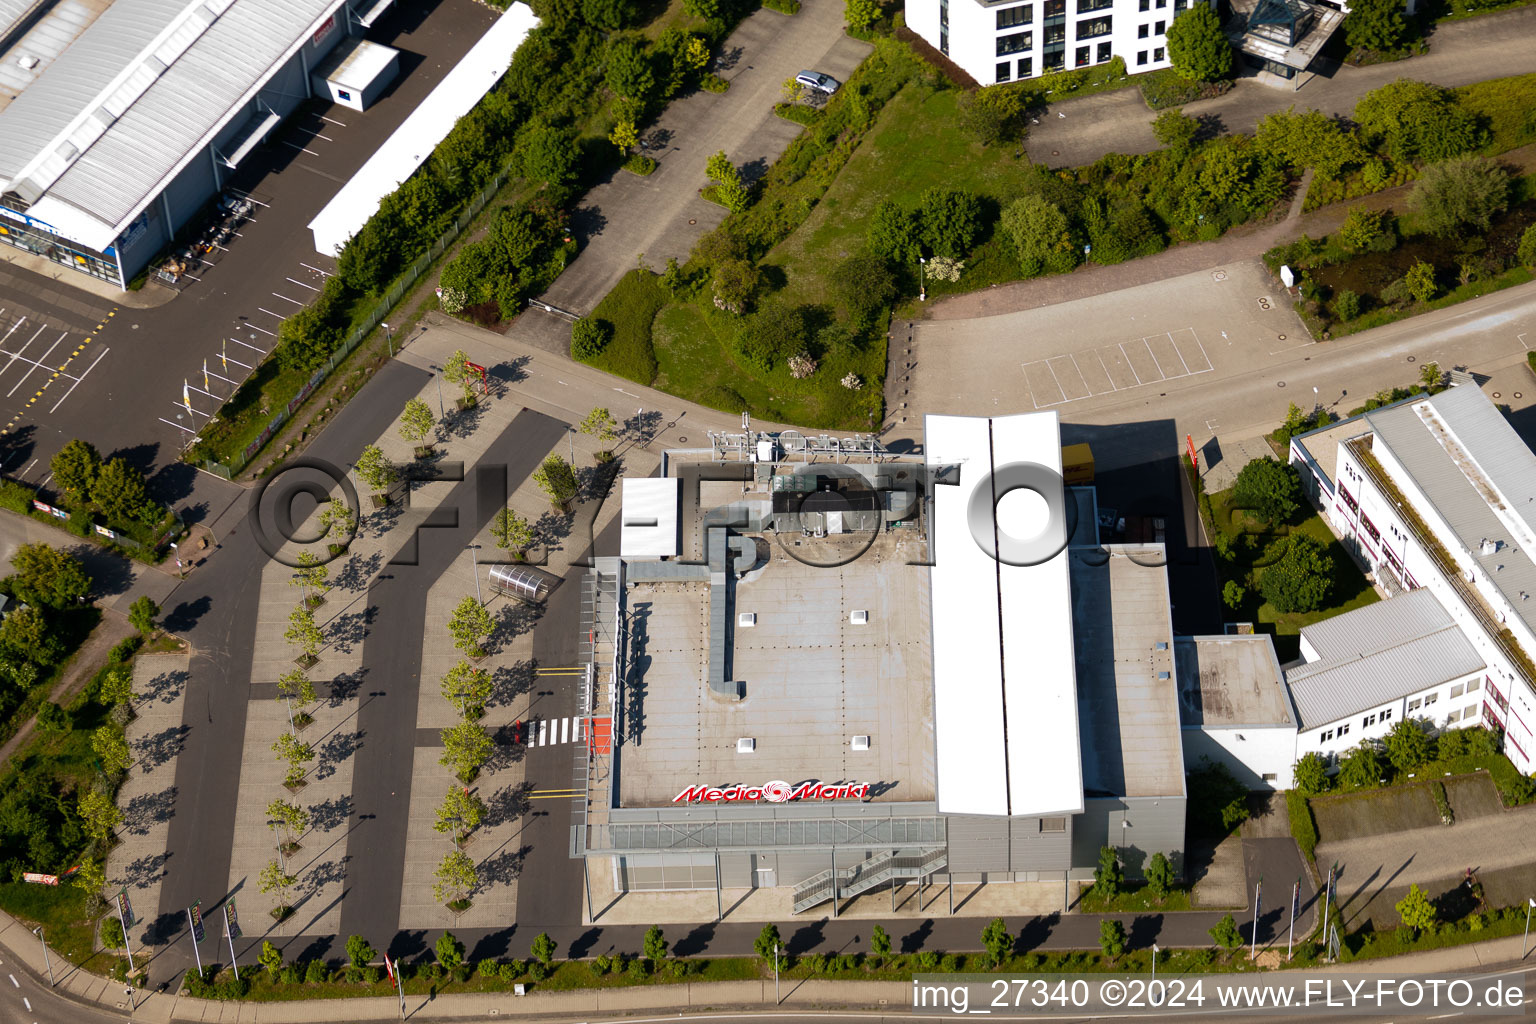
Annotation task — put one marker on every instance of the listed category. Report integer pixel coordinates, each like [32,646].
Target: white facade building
[1234,708]
[1440,493]
[1005,41]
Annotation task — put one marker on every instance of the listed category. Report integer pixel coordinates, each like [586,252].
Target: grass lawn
[1137,900]
[914,146]
[1350,588]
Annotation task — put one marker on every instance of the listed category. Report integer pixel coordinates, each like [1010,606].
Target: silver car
[818,81]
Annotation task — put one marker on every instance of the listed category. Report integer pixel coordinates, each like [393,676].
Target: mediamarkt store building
[809,673]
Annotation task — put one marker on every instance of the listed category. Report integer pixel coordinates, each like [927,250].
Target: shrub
[1041,235]
[783,6]
[589,336]
[1303,826]
[112,933]
[640,164]
[1302,578]
[1416,121]
[1346,305]
[1269,488]
[1420,281]
[1375,25]
[992,114]
[1527,250]
[315,972]
[1442,803]
[1407,746]
[1460,197]
[1197,46]
[892,233]
[1310,774]
[950,220]
[1397,293]
[1362,228]
[1360,768]
[713,83]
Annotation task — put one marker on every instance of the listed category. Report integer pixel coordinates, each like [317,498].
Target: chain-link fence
[375,316]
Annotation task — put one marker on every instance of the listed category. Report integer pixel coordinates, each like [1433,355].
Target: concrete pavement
[1460,53]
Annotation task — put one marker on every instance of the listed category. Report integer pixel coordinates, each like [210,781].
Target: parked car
[818,81]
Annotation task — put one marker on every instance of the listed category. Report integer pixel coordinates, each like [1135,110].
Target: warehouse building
[1437,493]
[809,675]
[137,119]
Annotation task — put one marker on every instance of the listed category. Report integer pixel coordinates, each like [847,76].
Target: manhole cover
[1055,152]
[1279,383]
[693,222]
[1218,275]
[681,438]
[1497,395]
[1413,359]
[1519,395]
[1280,336]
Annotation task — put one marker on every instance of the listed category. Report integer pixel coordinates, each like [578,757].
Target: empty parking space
[1074,376]
[41,364]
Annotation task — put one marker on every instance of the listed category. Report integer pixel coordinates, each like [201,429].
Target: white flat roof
[415,139]
[648,522]
[1004,675]
[356,64]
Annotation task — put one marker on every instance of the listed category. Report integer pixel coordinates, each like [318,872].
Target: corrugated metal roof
[1384,624]
[1479,477]
[12,11]
[1385,652]
[81,75]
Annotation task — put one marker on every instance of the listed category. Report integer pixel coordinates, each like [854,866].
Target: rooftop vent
[861,743]
[746,620]
[859,618]
[1162,675]
[1162,645]
[746,745]
[27,61]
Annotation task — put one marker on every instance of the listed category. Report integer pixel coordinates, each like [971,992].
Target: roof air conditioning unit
[746,620]
[859,618]
[861,743]
[27,61]
[746,745]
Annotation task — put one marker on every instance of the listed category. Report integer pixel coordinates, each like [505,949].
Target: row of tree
[114,489]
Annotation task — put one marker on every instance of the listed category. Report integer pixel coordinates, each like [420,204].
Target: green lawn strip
[1459,10]
[1384,315]
[1137,900]
[630,308]
[1303,827]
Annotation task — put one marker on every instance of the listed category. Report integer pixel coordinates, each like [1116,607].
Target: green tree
[121,494]
[1198,47]
[861,14]
[303,633]
[1360,768]
[51,718]
[455,878]
[296,754]
[295,686]
[142,614]
[1268,488]
[25,633]
[992,114]
[1407,746]
[1416,121]
[1310,774]
[1226,935]
[111,750]
[608,15]
[1302,578]
[467,688]
[997,941]
[338,520]
[460,814]
[512,531]
[1458,198]
[75,468]
[1175,129]
[1430,375]
[456,370]
[546,155]
[629,73]
[470,625]
[416,420]
[865,285]
[950,220]
[99,815]
[450,951]
[735,284]
[91,879]
[359,953]
[1159,872]
[655,944]
[719,169]
[1109,876]
[47,576]
[1311,139]
[375,469]
[601,425]
[589,336]
[1363,228]
[1527,251]
[270,959]
[274,879]
[892,233]
[1415,909]
[1232,594]
[767,941]
[1346,306]
[543,949]
[288,819]
[879,942]
[117,685]
[557,480]
[1111,938]
[1041,235]
[1421,281]
[673,278]
[1376,25]
[466,747]
[312,578]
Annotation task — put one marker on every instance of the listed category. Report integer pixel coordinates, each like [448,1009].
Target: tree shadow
[335,750]
[148,809]
[328,814]
[504,752]
[1037,930]
[727,59]
[507,804]
[146,870]
[514,619]
[505,866]
[345,686]
[354,576]
[164,928]
[510,371]
[154,751]
[586,223]
[185,615]
[508,682]
[918,937]
[807,938]
[344,632]
[641,427]
[695,942]
[166,687]
[552,527]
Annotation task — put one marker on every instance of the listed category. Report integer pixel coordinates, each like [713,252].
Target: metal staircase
[864,876]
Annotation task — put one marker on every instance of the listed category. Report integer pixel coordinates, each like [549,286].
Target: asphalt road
[391,659]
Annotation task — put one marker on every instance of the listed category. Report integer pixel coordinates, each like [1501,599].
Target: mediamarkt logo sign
[776,792]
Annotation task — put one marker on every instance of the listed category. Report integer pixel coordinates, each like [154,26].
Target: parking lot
[1118,367]
[226,316]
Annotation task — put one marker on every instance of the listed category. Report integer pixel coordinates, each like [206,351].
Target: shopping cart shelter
[129,127]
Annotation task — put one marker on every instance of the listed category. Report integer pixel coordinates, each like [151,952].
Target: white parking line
[313,133]
[267,311]
[263,330]
[1148,346]
[12,331]
[1112,385]
[237,341]
[78,379]
[178,426]
[298,147]
[1129,363]
[17,354]
[34,366]
[330,119]
[193,409]
[317,270]
[1178,353]
[301,284]
[236,361]
[285,298]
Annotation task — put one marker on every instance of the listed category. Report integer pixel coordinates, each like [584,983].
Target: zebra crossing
[544,732]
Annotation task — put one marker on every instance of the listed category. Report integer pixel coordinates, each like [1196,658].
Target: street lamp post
[1525,943]
[389,338]
[570,438]
[475,563]
[775,974]
[38,931]
[922,290]
[1154,963]
[441,410]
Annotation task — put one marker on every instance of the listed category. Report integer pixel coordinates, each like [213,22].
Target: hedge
[1303,827]
[783,6]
